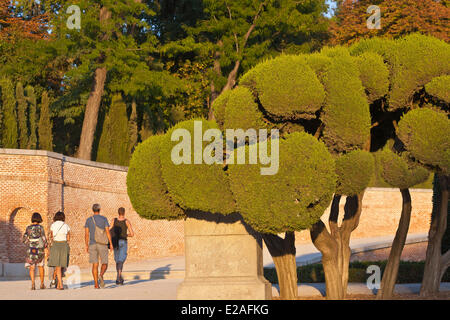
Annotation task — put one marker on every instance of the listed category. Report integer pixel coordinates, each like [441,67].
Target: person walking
[97,238]
[120,231]
[59,250]
[34,238]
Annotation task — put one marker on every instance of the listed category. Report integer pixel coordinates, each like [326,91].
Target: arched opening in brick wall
[19,219]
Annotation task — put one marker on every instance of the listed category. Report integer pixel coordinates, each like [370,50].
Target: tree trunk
[283,254]
[329,247]
[433,268]
[91,115]
[335,246]
[93,103]
[391,271]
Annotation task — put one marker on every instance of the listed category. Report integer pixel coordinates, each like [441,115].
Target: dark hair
[121,211]
[96,207]
[59,216]
[36,218]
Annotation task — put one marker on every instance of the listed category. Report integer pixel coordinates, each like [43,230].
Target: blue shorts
[120,253]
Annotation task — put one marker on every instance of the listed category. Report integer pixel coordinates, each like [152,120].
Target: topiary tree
[401,173]
[438,88]
[425,132]
[9,121]
[193,184]
[345,129]
[146,188]
[292,200]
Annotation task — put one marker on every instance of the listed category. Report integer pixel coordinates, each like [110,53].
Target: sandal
[42,286]
[33,287]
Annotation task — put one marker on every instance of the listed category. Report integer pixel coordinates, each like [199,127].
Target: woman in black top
[120,231]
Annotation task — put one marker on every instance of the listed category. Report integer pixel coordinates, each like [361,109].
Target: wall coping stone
[58,156]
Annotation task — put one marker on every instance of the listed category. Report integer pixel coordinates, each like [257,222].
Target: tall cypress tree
[45,125]
[9,127]
[113,145]
[22,116]
[31,98]
[132,128]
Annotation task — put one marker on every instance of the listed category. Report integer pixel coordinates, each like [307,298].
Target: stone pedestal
[223,260]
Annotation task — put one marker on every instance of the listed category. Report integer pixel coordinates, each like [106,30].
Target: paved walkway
[159,278]
[160,289]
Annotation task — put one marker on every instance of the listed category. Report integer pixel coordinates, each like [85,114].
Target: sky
[332,5]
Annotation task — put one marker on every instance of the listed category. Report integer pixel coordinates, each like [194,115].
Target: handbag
[100,234]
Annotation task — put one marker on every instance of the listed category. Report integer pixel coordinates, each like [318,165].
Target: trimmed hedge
[146,188]
[425,132]
[242,112]
[354,171]
[400,173]
[346,114]
[439,87]
[374,75]
[219,106]
[195,186]
[409,272]
[294,198]
[286,87]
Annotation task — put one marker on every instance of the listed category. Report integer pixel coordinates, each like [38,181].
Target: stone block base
[225,288]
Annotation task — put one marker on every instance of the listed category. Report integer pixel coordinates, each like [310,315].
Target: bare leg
[103,269]
[32,276]
[95,273]
[42,275]
[59,276]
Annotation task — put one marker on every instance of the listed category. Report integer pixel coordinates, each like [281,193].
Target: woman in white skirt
[59,250]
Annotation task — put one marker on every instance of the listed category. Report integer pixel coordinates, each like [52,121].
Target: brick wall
[381,212]
[47,182]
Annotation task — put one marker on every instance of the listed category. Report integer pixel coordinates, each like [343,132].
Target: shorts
[97,251]
[120,253]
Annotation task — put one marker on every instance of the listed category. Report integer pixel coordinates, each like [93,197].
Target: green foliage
[113,145]
[425,132]
[374,75]
[194,186]
[146,188]
[409,272]
[219,106]
[296,196]
[45,125]
[9,121]
[22,116]
[354,171]
[133,129]
[418,59]
[32,119]
[382,46]
[221,26]
[319,63]
[398,172]
[286,87]
[242,112]
[346,112]
[439,88]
